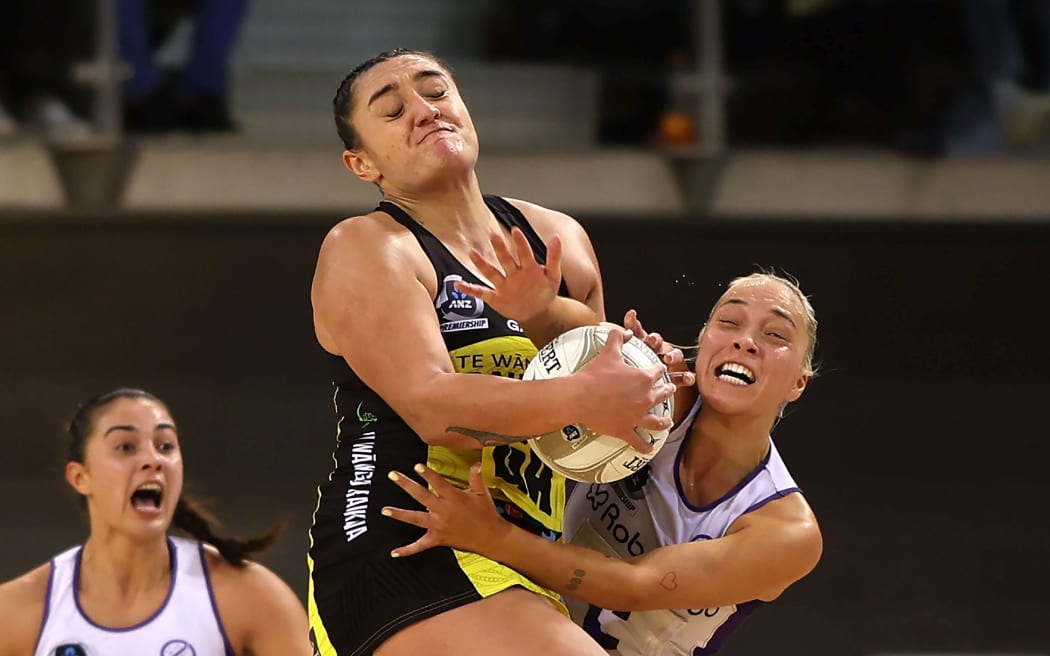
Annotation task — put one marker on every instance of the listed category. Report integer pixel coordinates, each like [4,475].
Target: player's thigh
[514,622]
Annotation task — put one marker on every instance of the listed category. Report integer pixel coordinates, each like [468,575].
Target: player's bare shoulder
[790,510]
[22,602]
[253,601]
[548,222]
[241,582]
[362,255]
[366,233]
[790,526]
[366,243]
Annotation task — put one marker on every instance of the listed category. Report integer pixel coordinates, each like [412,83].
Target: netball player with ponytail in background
[132,588]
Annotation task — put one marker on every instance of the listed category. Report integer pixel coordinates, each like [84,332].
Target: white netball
[576,451]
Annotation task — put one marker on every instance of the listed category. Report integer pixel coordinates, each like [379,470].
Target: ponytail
[193,519]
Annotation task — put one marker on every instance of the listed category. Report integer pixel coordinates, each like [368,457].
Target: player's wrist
[538,317]
[562,403]
[508,544]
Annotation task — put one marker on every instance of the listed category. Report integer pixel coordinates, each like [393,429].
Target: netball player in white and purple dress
[132,588]
[671,561]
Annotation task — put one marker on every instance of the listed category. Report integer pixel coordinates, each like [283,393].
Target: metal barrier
[94,169]
[709,82]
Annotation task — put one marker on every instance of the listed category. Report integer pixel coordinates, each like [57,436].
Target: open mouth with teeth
[735,374]
[147,497]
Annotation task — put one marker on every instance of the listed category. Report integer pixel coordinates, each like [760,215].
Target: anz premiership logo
[458,311]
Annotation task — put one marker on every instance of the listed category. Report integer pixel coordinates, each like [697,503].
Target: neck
[457,209]
[722,452]
[115,565]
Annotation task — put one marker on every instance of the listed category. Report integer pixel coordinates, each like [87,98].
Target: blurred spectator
[196,98]
[632,45]
[802,8]
[832,72]
[40,40]
[1009,102]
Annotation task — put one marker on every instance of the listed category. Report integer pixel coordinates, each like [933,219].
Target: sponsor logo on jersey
[458,311]
[362,468]
[177,648]
[625,497]
[611,522]
[366,418]
[70,650]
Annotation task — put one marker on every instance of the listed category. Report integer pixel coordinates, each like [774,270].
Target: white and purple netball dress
[629,517]
[187,623]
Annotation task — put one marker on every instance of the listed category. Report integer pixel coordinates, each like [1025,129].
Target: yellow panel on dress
[490,577]
[511,472]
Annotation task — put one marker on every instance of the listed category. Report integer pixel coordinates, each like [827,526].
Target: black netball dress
[359,595]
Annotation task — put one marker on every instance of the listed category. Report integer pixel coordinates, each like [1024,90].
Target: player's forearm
[570,570]
[562,314]
[472,411]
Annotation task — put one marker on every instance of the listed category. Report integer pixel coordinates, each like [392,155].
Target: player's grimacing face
[132,472]
[408,110]
[752,349]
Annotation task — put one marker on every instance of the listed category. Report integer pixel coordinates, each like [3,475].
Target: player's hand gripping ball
[575,451]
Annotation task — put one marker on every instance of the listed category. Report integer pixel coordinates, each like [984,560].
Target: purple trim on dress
[714,504]
[694,412]
[779,494]
[214,604]
[173,564]
[743,611]
[47,605]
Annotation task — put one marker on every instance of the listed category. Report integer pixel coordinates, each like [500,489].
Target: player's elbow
[812,550]
[429,426]
[804,548]
[429,417]
[437,408]
[799,557]
[417,402]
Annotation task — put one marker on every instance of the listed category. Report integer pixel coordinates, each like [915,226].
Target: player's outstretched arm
[767,551]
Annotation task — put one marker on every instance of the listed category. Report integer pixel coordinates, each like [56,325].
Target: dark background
[921,446]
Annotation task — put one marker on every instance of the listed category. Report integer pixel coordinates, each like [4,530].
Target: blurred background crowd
[924,77]
[687,83]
